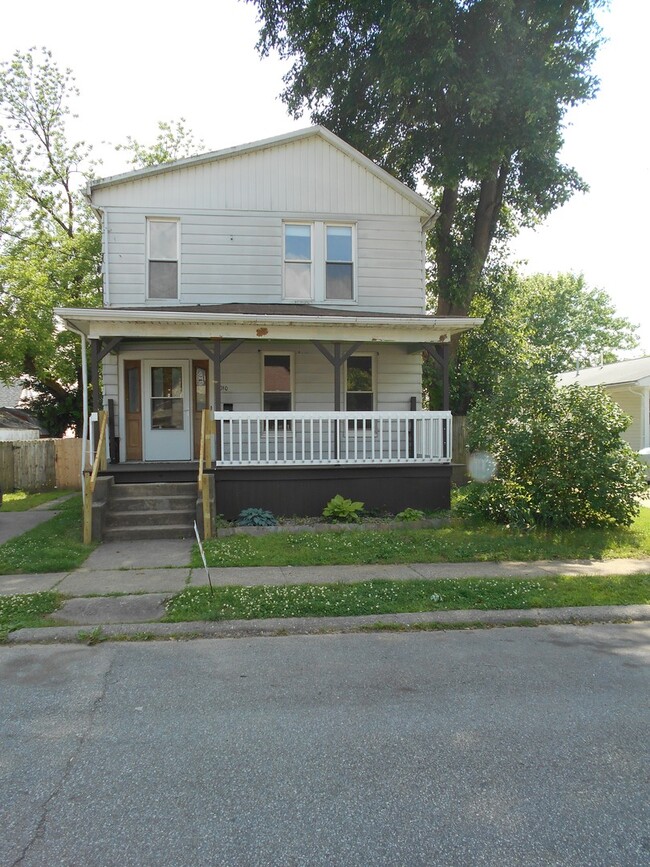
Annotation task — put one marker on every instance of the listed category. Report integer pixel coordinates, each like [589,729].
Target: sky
[137,62]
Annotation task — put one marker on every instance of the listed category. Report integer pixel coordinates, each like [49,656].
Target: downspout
[84,398]
[107,285]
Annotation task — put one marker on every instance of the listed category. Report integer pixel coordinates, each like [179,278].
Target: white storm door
[167,420]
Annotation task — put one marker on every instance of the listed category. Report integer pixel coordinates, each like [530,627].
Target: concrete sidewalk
[145,573]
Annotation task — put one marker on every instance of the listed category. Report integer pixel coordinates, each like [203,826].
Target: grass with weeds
[391,597]
[21,501]
[27,610]
[54,546]
[453,544]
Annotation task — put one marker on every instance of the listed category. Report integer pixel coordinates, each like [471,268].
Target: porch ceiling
[263,322]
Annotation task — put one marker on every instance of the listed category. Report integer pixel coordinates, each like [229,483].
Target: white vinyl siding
[308,175]
[397,377]
[632,403]
[238,257]
[232,211]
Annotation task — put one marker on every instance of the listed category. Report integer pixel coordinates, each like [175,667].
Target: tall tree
[50,245]
[538,325]
[467,95]
[173,142]
[49,240]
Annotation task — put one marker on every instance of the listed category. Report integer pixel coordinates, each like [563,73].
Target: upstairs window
[339,266]
[163,258]
[318,260]
[298,261]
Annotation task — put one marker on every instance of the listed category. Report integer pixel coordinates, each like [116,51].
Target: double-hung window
[339,265]
[359,388]
[318,261]
[277,386]
[162,245]
[298,261]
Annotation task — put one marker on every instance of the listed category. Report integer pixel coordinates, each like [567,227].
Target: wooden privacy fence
[39,465]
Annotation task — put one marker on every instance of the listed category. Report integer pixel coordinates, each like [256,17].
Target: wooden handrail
[99,462]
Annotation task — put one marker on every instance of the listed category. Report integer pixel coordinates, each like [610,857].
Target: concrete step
[153,510]
[150,518]
[153,489]
[135,532]
[162,502]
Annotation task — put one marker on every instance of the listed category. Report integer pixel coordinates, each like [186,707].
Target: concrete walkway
[145,573]
[14,524]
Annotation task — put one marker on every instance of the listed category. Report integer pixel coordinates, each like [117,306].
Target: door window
[167,398]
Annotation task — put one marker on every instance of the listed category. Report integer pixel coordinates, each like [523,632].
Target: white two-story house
[281,285]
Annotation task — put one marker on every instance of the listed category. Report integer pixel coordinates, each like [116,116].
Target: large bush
[560,458]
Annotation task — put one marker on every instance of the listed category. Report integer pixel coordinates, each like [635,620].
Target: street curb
[472,618]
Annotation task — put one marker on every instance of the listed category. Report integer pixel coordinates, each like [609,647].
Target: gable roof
[634,371]
[321,132]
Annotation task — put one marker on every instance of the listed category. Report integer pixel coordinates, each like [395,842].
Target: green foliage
[410,515]
[385,597]
[174,142]
[541,323]
[50,249]
[255,518]
[54,546]
[459,543]
[342,510]
[561,461]
[469,96]
[26,610]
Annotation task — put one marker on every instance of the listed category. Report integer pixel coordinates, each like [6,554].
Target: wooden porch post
[337,359]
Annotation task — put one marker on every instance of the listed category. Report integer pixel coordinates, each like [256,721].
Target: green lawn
[28,610]
[451,544]
[387,597]
[54,546]
[20,501]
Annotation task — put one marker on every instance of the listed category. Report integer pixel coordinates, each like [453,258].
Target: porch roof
[263,322]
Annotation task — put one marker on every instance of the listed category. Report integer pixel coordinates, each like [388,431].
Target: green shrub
[343,511]
[255,518]
[561,461]
[410,515]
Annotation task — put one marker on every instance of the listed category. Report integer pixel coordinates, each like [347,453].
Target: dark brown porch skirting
[305,491]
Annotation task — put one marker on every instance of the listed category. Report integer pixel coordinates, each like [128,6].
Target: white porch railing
[316,438]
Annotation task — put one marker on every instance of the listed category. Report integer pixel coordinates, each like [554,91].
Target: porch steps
[151,510]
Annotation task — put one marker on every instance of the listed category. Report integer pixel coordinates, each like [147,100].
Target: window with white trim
[319,262]
[277,382]
[298,261]
[339,264]
[360,387]
[162,264]
[359,384]
[277,386]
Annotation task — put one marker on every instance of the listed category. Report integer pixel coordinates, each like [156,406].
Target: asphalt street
[511,746]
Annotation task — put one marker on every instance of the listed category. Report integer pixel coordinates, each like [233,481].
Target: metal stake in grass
[205,565]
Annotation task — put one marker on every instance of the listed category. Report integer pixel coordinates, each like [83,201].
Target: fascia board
[123,323]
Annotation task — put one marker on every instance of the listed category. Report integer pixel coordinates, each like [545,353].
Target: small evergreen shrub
[255,518]
[410,515]
[343,511]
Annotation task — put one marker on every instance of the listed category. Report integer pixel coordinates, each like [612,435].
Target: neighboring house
[282,285]
[628,384]
[17,425]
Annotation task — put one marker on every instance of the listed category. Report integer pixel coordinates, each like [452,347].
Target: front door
[167,420]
